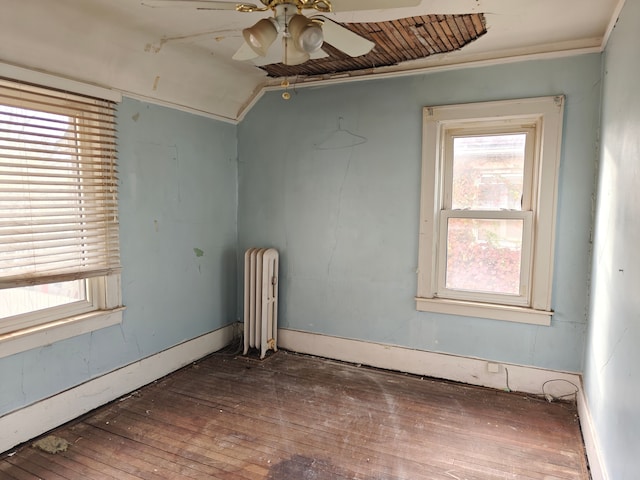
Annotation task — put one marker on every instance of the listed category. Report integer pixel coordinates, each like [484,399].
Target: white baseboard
[473,371]
[596,465]
[430,364]
[29,422]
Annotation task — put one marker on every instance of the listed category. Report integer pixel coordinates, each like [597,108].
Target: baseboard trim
[469,370]
[33,420]
[596,465]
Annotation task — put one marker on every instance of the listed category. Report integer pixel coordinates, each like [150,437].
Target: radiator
[260,300]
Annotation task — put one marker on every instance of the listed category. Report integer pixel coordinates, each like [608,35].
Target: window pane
[488,172]
[15,301]
[42,182]
[484,255]
[58,178]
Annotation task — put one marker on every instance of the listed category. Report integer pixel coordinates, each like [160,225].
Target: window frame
[545,114]
[103,304]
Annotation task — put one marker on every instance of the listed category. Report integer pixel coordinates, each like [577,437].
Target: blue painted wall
[178,187]
[612,374]
[344,215]
[346,219]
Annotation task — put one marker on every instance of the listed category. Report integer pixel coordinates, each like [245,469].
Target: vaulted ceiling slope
[183,57]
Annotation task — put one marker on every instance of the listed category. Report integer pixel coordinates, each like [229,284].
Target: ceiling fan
[302,36]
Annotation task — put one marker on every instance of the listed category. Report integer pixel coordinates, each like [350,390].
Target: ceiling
[182,57]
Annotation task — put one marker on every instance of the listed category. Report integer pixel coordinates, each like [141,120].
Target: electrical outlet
[493,367]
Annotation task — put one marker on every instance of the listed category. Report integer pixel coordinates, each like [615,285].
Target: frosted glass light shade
[261,36]
[306,33]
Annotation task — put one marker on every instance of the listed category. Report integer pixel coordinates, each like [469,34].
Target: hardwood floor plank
[462,432]
[227,432]
[411,450]
[154,433]
[133,458]
[296,417]
[293,434]
[9,471]
[54,467]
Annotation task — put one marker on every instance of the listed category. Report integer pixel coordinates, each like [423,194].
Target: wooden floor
[294,417]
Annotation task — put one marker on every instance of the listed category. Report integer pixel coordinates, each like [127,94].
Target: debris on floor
[51,444]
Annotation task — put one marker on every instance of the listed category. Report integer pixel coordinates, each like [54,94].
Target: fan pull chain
[285,84]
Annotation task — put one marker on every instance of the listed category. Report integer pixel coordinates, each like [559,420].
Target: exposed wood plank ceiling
[396,41]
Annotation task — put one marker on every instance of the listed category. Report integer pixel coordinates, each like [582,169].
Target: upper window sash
[489,129]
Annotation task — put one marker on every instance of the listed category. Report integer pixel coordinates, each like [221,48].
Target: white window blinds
[58,186]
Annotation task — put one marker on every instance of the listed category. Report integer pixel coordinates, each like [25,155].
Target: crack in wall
[339,212]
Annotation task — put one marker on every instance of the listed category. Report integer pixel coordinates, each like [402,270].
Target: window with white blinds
[58,186]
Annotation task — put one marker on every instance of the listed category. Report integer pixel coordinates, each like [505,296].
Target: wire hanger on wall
[341,138]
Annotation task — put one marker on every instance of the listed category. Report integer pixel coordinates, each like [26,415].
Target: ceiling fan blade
[245,52]
[343,39]
[353,5]
[318,54]
[198,4]
[274,55]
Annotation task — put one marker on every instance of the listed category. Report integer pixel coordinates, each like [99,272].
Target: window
[489,181]
[59,249]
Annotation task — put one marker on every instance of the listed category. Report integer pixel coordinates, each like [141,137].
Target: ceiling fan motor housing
[323,6]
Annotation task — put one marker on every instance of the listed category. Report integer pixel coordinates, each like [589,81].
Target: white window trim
[107,311]
[547,112]
[105,308]
[52,81]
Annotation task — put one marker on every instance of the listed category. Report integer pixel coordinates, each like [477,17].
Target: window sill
[51,332]
[485,310]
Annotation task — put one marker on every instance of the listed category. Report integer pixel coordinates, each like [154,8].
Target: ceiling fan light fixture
[292,54]
[261,35]
[306,33]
